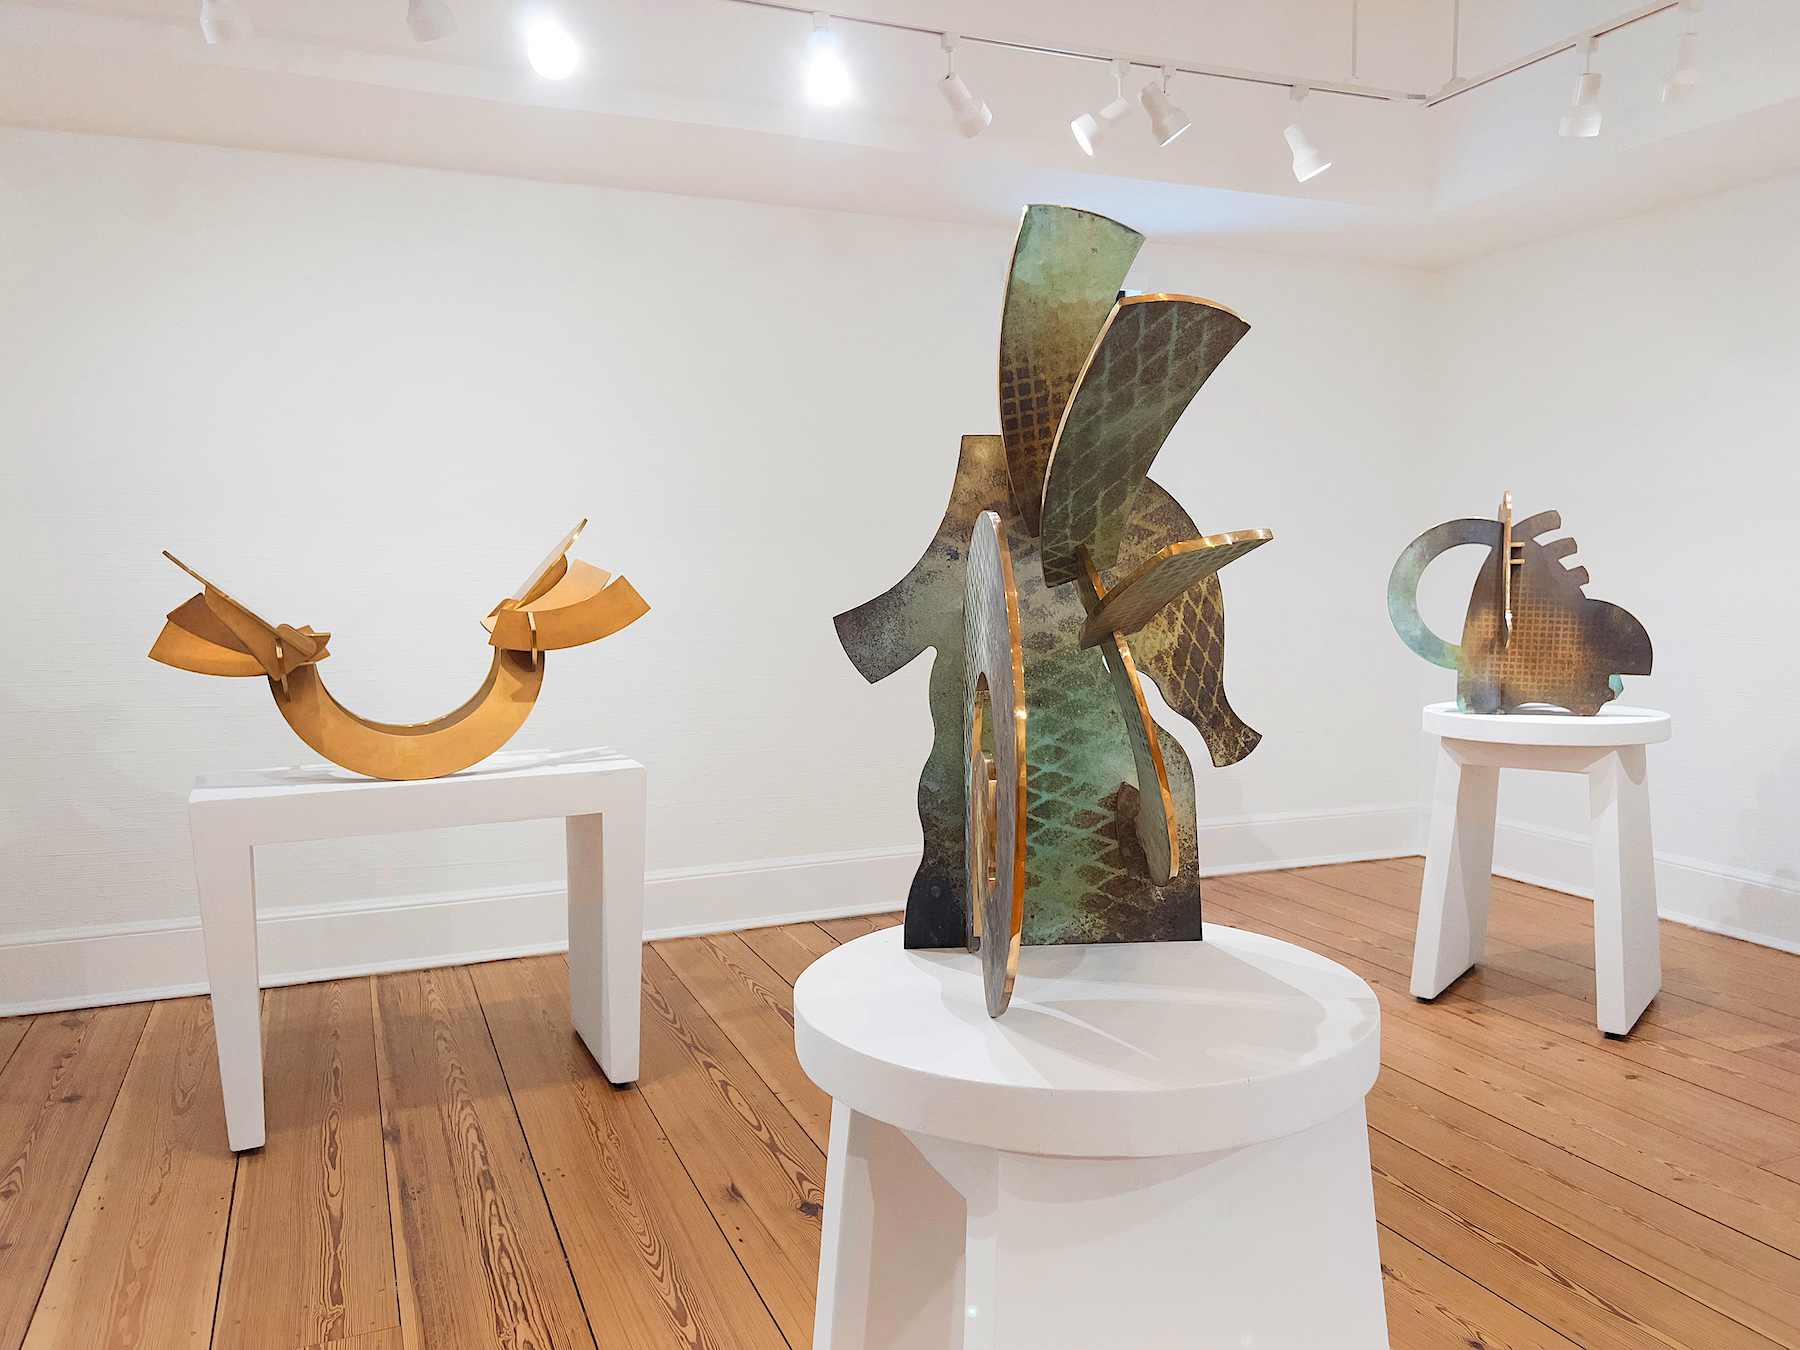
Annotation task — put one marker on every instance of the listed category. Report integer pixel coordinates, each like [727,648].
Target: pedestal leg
[1459,867]
[606,933]
[846,1243]
[1272,1246]
[891,1254]
[1627,945]
[225,871]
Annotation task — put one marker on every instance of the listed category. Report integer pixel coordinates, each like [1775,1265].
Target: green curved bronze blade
[1150,360]
[1409,568]
[1142,595]
[1067,267]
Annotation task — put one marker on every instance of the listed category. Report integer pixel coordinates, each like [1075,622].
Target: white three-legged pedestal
[1158,1145]
[600,793]
[1459,857]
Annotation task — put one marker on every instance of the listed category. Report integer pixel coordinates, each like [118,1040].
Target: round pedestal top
[1613,725]
[1129,1050]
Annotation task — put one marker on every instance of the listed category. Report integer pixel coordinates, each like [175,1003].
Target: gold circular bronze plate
[994,712]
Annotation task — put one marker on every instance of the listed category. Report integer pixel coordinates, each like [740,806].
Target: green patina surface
[1087,879]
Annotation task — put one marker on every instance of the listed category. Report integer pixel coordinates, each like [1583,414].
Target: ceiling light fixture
[1682,83]
[1091,128]
[968,114]
[828,80]
[551,51]
[429,20]
[224,21]
[1308,162]
[1166,120]
[1583,117]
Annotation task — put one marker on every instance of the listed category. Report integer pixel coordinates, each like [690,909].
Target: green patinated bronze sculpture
[1531,634]
[1053,811]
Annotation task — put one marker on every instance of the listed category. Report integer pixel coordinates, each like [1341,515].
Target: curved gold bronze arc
[414,749]
[1163,579]
[1156,827]
[1066,270]
[177,646]
[1152,357]
[538,628]
[994,670]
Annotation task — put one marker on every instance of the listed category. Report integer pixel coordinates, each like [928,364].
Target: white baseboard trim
[124,963]
[1262,843]
[1732,901]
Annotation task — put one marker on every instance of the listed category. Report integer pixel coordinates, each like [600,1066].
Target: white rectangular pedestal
[934,1245]
[601,795]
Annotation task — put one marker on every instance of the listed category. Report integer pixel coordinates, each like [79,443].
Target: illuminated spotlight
[429,20]
[968,114]
[828,80]
[1308,162]
[1092,128]
[1166,120]
[224,21]
[551,51]
[1583,117]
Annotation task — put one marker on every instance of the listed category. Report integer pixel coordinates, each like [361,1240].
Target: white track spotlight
[1308,162]
[224,21]
[828,80]
[968,114]
[1166,120]
[1091,128]
[551,51]
[429,20]
[1583,117]
[1682,83]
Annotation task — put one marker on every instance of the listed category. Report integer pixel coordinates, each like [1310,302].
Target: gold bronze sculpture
[1059,575]
[1531,634]
[562,604]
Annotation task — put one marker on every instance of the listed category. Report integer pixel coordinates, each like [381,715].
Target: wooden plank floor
[446,1167]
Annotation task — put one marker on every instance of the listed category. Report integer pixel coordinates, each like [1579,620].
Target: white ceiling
[702,97]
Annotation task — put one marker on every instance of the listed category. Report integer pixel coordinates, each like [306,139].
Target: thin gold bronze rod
[1506,569]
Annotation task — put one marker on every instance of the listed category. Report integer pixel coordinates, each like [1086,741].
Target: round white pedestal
[1611,726]
[1459,851]
[1158,1144]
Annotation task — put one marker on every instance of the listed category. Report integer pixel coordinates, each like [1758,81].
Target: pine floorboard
[447,1167]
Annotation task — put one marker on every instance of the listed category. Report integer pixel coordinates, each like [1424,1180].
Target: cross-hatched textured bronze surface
[1146,368]
[1067,267]
[1142,595]
[1563,648]
[1183,648]
[1105,862]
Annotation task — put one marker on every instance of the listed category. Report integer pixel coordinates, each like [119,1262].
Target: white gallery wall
[1643,378]
[368,397]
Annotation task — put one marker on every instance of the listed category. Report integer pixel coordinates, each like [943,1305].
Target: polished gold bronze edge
[1020,834]
[1148,296]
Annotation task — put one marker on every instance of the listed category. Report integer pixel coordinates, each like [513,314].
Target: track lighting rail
[1454,89]
[1156,63]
